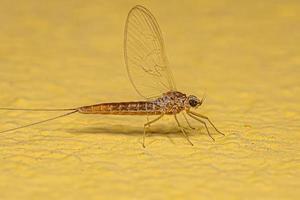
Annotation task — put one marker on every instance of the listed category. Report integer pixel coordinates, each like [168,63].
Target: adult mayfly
[151,77]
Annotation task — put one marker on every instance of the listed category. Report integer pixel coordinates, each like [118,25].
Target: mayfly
[151,77]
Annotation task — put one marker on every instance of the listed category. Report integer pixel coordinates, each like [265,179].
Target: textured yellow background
[244,55]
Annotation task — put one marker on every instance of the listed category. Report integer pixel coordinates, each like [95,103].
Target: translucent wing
[145,56]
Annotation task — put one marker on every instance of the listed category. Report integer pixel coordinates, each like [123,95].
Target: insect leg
[146,125]
[203,122]
[183,131]
[204,117]
[148,119]
[187,121]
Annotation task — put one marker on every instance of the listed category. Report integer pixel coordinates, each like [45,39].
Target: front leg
[187,121]
[203,122]
[182,130]
[204,117]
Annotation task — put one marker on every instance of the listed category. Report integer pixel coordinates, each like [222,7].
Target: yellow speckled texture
[244,55]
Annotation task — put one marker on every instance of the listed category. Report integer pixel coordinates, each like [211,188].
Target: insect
[151,77]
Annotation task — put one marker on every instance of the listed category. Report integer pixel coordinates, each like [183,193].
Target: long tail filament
[74,110]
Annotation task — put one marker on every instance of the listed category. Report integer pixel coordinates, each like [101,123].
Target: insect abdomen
[122,108]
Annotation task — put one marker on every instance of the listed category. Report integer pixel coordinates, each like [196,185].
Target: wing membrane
[145,57]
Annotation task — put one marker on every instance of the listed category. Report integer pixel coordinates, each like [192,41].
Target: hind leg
[147,125]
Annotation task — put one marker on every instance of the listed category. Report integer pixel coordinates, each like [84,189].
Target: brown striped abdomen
[122,108]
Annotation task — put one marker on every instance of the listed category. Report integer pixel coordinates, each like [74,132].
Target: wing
[145,57]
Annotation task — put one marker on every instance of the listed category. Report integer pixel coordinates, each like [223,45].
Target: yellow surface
[244,55]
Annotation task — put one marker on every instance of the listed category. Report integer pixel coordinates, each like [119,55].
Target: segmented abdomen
[122,108]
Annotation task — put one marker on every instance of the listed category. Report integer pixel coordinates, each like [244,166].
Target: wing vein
[145,57]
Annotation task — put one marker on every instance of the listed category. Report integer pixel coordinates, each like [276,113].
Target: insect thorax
[171,102]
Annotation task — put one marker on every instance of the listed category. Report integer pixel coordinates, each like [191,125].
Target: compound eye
[193,102]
